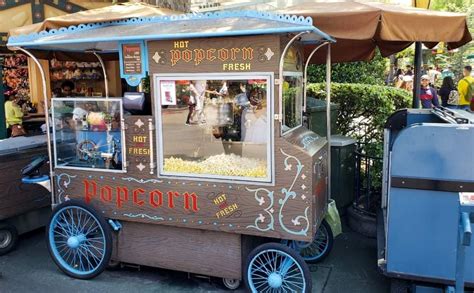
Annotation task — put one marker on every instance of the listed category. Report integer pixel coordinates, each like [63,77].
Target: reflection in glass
[217,128]
[292,100]
[87,133]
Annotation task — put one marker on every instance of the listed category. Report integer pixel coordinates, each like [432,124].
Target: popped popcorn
[223,164]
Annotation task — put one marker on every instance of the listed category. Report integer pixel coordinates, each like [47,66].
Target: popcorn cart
[221,180]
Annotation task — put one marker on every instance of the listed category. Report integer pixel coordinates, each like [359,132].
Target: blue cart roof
[106,35]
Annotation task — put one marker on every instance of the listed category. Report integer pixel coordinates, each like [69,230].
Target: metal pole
[46,115]
[105,73]
[417,79]
[305,79]
[3,129]
[328,114]
[280,77]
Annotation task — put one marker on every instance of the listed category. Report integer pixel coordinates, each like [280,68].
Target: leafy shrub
[363,108]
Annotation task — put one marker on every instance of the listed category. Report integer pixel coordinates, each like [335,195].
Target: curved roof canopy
[360,28]
[104,36]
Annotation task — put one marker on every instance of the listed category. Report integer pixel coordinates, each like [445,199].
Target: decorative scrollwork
[154,218]
[290,195]
[268,210]
[141,180]
[62,182]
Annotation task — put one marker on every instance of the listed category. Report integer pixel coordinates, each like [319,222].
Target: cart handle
[466,229]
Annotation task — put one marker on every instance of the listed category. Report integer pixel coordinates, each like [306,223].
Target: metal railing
[368,182]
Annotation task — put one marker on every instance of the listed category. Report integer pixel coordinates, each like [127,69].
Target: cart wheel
[317,250]
[8,238]
[273,267]
[79,240]
[231,284]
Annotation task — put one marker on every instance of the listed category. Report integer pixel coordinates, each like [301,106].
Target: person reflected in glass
[254,118]
[191,102]
[223,91]
[198,93]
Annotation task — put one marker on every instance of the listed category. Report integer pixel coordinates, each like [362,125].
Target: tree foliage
[372,72]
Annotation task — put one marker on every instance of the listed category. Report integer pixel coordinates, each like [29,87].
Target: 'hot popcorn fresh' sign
[229,55]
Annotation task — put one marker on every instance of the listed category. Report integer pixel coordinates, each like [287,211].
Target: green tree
[456,58]
[451,5]
[372,72]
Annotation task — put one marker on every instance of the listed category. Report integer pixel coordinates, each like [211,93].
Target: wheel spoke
[71,218]
[86,223]
[90,266]
[285,266]
[262,266]
[294,284]
[68,224]
[91,228]
[64,225]
[96,258]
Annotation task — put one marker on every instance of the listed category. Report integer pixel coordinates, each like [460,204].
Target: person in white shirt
[198,94]
[433,74]
[254,118]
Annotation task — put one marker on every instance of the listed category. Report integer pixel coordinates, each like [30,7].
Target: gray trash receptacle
[342,170]
[316,113]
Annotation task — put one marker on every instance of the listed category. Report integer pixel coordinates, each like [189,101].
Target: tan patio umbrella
[108,13]
[361,27]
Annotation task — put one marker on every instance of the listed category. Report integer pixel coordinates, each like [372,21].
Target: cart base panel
[211,253]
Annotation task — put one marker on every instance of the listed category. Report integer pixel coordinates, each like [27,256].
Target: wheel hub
[75,241]
[275,280]
[5,238]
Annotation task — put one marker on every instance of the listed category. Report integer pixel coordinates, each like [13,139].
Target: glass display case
[215,126]
[87,133]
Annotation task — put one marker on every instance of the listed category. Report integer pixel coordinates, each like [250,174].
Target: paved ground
[351,267]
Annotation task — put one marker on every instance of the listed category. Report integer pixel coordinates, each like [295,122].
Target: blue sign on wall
[133,65]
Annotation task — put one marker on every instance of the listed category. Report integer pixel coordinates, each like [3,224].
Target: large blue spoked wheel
[273,267]
[79,240]
[319,249]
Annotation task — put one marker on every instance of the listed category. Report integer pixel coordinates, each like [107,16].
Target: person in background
[398,78]
[433,74]
[66,88]
[409,71]
[191,102]
[446,90]
[447,72]
[13,113]
[428,96]
[466,89]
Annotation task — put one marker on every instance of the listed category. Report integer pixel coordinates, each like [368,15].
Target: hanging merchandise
[15,79]
[83,74]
